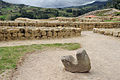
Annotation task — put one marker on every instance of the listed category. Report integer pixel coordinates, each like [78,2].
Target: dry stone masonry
[82,64]
[51,28]
[82,25]
[23,33]
[112,32]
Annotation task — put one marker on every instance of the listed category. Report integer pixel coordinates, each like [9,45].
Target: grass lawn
[9,56]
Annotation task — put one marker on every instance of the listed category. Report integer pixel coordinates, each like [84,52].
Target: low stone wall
[66,19]
[85,19]
[34,20]
[90,20]
[23,33]
[111,32]
[82,25]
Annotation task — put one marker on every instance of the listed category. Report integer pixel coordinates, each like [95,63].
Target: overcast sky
[53,3]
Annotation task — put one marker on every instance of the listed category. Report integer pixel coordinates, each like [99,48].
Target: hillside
[104,12]
[12,11]
[114,4]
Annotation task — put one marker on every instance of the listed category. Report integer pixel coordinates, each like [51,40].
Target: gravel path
[104,52]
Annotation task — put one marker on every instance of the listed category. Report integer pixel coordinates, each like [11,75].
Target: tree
[69,10]
[114,4]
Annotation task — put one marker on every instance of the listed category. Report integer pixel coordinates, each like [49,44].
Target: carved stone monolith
[79,65]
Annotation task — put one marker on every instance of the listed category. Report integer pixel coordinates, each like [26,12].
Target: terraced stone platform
[82,25]
[26,33]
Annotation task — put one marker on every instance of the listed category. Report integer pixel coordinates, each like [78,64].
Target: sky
[53,3]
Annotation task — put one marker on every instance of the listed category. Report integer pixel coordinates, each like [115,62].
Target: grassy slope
[9,56]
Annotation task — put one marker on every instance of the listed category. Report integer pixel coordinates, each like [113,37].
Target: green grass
[9,56]
[117,13]
[8,8]
[3,17]
[110,21]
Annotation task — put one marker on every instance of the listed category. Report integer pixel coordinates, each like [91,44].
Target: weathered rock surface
[82,64]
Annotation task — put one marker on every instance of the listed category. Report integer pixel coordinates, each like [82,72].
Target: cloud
[52,3]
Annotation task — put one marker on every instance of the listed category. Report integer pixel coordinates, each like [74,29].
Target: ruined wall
[23,33]
[82,25]
[110,32]
[89,19]
[33,20]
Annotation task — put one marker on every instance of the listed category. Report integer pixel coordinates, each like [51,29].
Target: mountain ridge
[12,11]
[94,3]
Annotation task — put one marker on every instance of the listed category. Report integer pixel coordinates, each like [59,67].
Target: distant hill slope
[12,11]
[103,12]
[114,4]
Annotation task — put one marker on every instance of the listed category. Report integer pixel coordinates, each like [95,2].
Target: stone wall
[110,32]
[82,25]
[90,20]
[34,20]
[66,19]
[23,33]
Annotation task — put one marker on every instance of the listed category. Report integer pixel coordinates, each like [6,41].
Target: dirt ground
[104,52]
